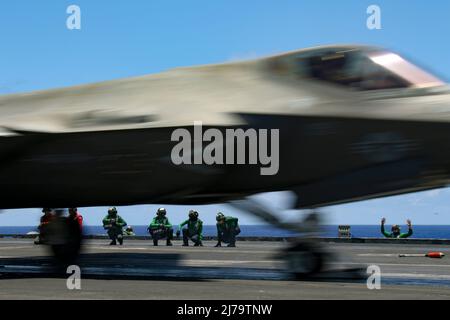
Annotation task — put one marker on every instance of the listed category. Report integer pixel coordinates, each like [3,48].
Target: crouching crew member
[43,225]
[161,228]
[193,231]
[227,230]
[75,221]
[114,224]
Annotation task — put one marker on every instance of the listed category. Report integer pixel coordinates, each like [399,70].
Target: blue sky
[127,38]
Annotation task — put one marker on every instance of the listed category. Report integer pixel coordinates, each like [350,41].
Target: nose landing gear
[304,260]
[306,257]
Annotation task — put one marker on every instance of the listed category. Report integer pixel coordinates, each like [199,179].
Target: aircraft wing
[380,181]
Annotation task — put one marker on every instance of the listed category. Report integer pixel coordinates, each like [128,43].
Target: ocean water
[367,231]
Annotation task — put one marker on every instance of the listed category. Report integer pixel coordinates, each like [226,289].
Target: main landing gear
[65,240]
[306,257]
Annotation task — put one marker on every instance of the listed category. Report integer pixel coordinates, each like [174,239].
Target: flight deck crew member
[114,224]
[161,228]
[43,224]
[395,230]
[227,230]
[76,218]
[193,231]
[75,222]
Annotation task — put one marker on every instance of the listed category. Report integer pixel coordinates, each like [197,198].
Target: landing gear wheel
[66,253]
[65,241]
[304,260]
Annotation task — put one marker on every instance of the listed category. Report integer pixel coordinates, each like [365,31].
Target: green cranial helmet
[112,210]
[161,212]
[220,216]
[193,214]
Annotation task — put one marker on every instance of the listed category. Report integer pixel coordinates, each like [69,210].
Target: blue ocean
[358,231]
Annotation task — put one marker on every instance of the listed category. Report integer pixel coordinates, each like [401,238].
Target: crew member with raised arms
[395,230]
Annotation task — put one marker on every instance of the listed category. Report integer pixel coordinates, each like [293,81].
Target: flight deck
[253,270]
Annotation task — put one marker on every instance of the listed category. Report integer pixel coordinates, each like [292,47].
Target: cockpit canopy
[357,68]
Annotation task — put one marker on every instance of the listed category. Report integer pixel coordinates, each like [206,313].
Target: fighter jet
[352,122]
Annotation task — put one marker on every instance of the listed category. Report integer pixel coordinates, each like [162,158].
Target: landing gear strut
[305,257]
[64,240]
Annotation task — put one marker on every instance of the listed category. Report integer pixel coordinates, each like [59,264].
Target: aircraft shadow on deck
[129,266]
[98,266]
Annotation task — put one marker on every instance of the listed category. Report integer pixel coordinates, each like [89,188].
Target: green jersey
[158,221]
[108,219]
[194,227]
[229,224]
[400,236]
